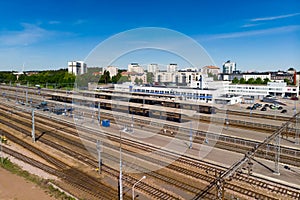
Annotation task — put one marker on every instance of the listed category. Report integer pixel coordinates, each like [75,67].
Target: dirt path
[13,187]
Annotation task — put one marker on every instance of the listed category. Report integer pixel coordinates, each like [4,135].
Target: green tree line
[59,78]
[257,81]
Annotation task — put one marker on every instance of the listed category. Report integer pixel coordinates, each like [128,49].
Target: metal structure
[1,156]
[227,121]
[133,197]
[16,95]
[99,150]
[33,126]
[277,154]
[27,95]
[229,173]
[297,126]
[191,135]
[99,113]
[120,175]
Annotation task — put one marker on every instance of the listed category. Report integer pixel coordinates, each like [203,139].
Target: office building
[77,67]
[172,68]
[229,67]
[134,67]
[153,68]
[113,71]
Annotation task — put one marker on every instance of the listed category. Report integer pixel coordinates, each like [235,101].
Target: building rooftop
[212,67]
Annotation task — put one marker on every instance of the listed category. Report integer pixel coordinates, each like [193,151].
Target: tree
[136,80]
[288,82]
[141,81]
[266,80]
[150,77]
[235,80]
[251,81]
[215,77]
[7,77]
[116,78]
[259,81]
[91,76]
[105,78]
[123,79]
[291,69]
[242,81]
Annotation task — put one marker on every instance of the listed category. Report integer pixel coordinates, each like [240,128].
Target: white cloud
[30,34]
[262,32]
[274,17]
[250,25]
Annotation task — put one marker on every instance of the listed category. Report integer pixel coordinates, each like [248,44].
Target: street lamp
[135,185]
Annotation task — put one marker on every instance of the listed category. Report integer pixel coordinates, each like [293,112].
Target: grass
[42,183]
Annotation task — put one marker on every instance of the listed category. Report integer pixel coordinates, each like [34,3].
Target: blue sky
[258,35]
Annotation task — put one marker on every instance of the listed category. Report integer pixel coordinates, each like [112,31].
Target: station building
[218,92]
[260,91]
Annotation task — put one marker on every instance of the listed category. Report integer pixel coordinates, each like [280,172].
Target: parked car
[280,108]
[258,105]
[284,111]
[249,107]
[263,109]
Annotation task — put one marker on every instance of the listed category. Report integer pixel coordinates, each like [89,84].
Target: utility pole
[120,176]
[227,120]
[297,127]
[99,113]
[191,135]
[16,94]
[27,94]
[33,127]
[1,157]
[99,150]
[220,187]
[277,154]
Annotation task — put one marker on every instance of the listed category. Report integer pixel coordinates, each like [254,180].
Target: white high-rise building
[229,67]
[153,68]
[134,67]
[77,67]
[113,71]
[172,67]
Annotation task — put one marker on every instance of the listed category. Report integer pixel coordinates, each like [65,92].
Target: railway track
[154,192]
[93,163]
[68,174]
[232,122]
[289,156]
[232,186]
[47,93]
